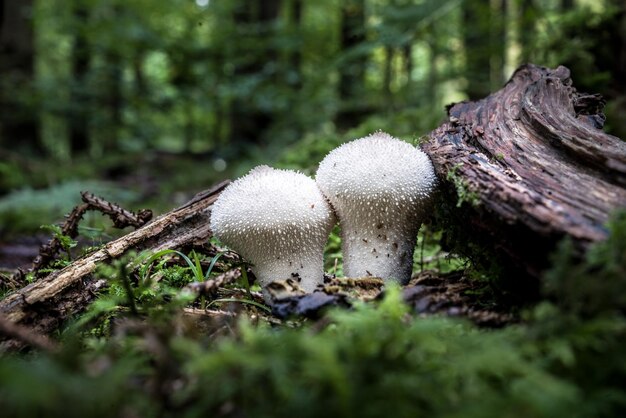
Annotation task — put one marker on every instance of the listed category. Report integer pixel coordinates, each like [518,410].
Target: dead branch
[187,225]
[121,219]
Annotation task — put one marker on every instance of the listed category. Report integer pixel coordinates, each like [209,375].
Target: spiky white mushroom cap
[279,221]
[379,187]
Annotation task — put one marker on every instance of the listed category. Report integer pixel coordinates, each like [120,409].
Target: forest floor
[162,182]
[146,339]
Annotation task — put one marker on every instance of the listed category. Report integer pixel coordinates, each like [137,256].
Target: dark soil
[19,252]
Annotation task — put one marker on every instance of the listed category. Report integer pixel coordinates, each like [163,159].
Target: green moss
[565,360]
[463,189]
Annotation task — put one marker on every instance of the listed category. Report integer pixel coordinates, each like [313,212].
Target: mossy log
[525,167]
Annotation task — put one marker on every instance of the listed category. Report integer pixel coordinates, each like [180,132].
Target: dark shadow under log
[533,165]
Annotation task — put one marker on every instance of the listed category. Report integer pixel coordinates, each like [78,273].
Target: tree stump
[524,168]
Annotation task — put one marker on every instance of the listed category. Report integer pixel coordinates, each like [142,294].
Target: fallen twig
[121,219]
[209,287]
[187,225]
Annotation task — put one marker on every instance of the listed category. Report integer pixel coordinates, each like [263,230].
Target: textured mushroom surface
[279,221]
[379,187]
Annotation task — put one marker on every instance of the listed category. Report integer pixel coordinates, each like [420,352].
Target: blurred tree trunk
[497,42]
[140,85]
[79,114]
[114,99]
[619,46]
[181,56]
[141,96]
[387,76]
[476,35]
[254,20]
[290,70]
[19,122]
[352,70]
[407,54]
[219,132]
[113,95]
[485,46]
[431,81]
[295,56]
[528,17]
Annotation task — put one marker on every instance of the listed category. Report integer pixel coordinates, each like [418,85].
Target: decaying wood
[187,225]
[121,219]
[535,162]
[25,336]
[428,293]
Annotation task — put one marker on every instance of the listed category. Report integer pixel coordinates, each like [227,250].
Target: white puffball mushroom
[279,221]
[379,187]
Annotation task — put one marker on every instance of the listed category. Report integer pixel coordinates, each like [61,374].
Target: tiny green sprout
[194,266]
[463,190]
[419,140]
[244,278]
[67,243]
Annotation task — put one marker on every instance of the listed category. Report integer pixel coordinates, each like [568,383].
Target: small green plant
[67,243]
[419,140]
[332,253]
[194,265]
[196,268]
[429,255]
[463,189]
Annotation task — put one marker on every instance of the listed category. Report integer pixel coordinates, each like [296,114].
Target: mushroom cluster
[279,220]
[379,187]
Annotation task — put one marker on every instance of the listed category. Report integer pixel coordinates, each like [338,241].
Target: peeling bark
[535,162]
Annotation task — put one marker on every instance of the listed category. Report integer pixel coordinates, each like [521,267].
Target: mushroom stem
[305,269]
[385,251]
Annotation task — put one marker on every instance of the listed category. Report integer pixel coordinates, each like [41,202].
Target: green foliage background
[165,94]
[165,98]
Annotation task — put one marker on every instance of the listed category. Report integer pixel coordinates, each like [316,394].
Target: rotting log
[533,165]
[44,304]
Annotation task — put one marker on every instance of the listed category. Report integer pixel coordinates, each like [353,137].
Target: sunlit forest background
[148,102]
[167,97]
